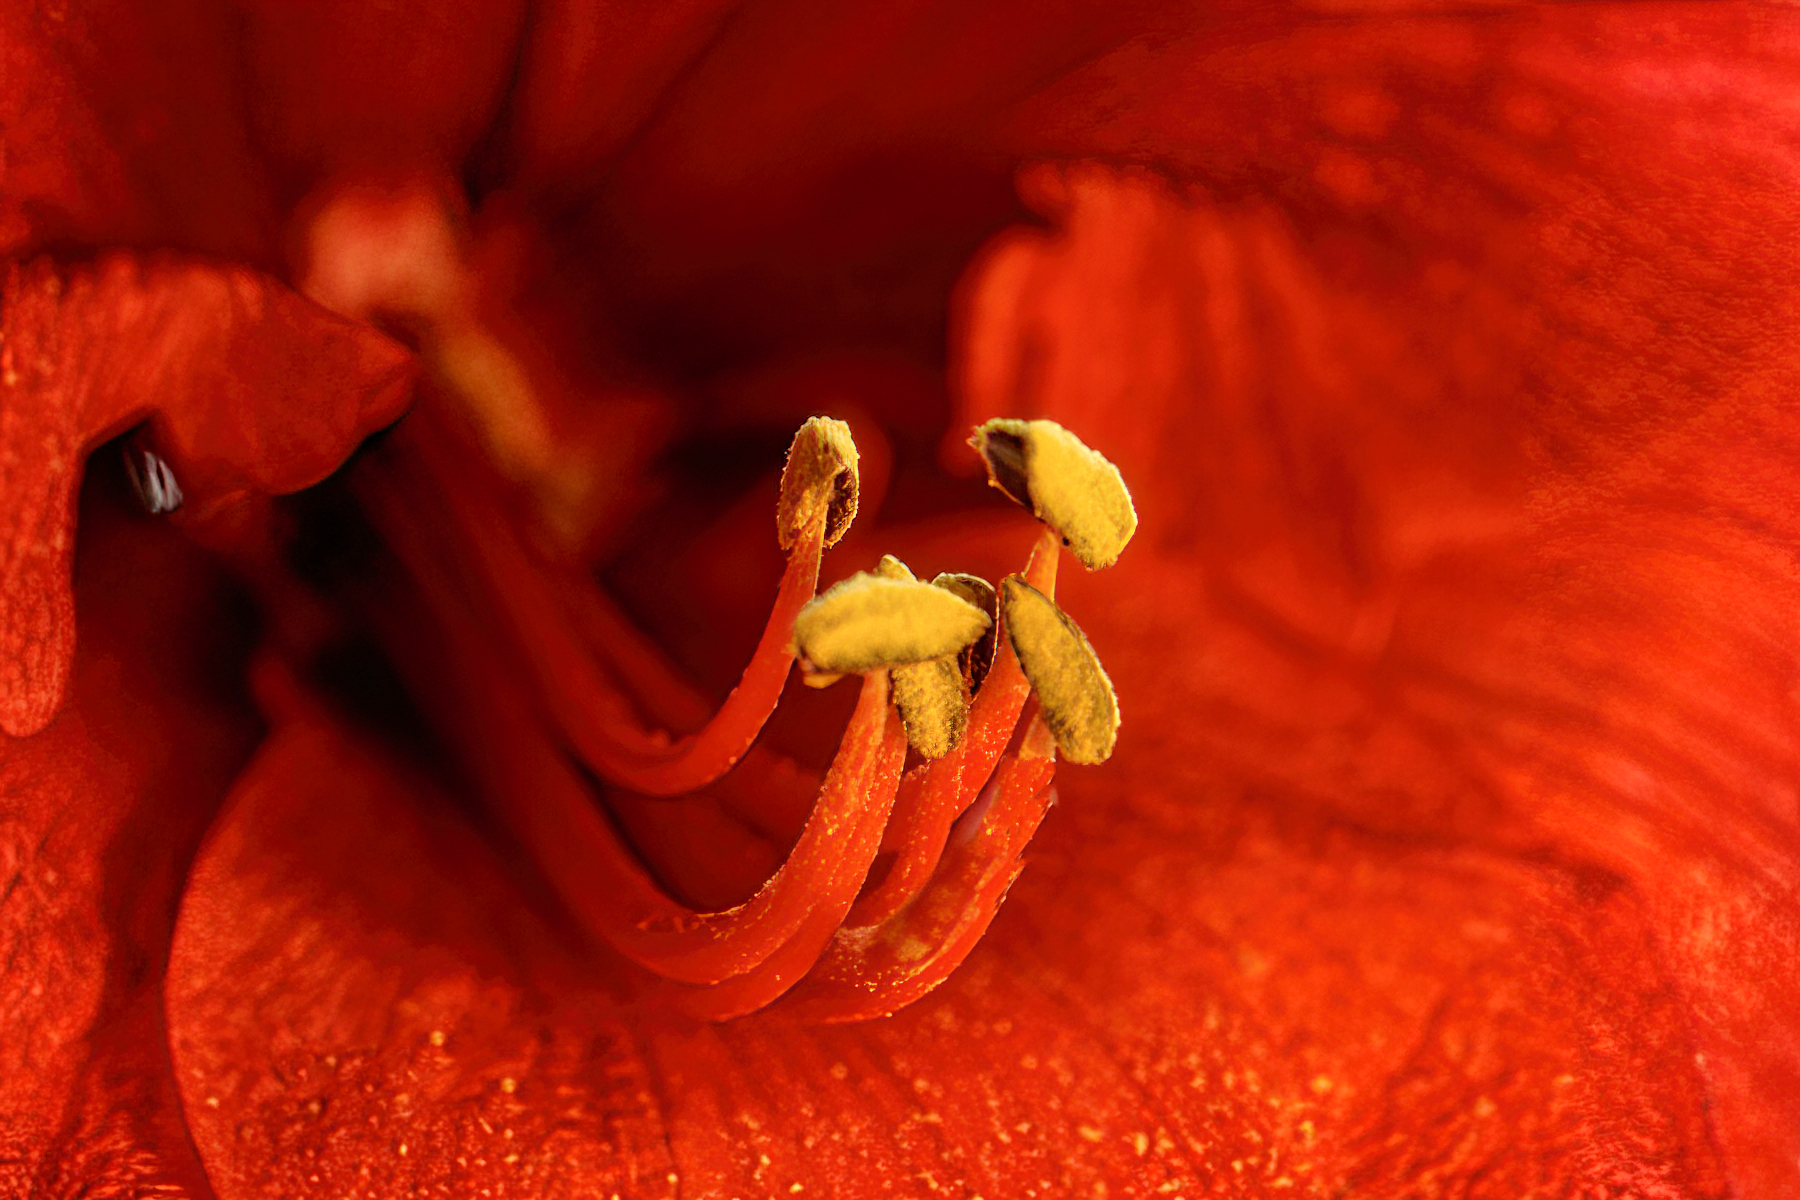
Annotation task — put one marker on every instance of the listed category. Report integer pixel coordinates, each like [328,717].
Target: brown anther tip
[1066,485]
[869,622]
[892,568]
[819,482]
[1072,688]
[976,660]
[973,588]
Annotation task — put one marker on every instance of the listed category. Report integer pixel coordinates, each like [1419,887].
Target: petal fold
[100,814]
[248,388]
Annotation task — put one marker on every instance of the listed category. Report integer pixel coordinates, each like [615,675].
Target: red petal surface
[360,1004]
[336,88]
[1472,469]
[248,389]
[124,123]
[1200,986]
[1451,845]
[195,126]
[98,817]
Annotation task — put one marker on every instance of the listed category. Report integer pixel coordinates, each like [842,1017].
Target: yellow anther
[868,622]
[933,697]
[1072,688]
[818,483]
[1069,487]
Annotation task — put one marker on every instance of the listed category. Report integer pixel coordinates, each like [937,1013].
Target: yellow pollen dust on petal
[867,622]
[1072,688]
[933,697]
[1069,487]
[819,482]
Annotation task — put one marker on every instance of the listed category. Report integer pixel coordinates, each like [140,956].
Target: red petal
[1169,996]
[818,175]
[591,72]
[195,126]
[1472,469]
[357,88]
[101,812]
[360,1004]
[123,125]
[248,387]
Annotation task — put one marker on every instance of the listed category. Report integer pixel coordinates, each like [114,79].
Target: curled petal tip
[1071,488]
[819,482]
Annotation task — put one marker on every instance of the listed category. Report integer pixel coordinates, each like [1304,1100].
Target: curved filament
[877,970]
[595,713]
[552,806]
[858,792]
[568,704]
[933,795]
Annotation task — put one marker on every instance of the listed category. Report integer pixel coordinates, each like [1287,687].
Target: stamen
[933,697]
[975,660]
[543,609]
[934,795]
[1066,485]
[822,872]
[867,622]
[819,480]
[917,647]
[1078,700]
[876,971]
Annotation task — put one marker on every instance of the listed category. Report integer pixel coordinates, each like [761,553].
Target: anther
[933,697]
[151,478]
[819,482]
[867,622]
[975,660]
[1076,696]
[1069,487]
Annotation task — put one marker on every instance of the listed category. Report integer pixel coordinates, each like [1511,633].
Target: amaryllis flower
[393,401]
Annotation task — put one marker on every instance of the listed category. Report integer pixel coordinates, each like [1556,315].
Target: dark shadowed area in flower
[1452,842]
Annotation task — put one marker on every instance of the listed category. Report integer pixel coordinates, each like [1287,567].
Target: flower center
[571,722]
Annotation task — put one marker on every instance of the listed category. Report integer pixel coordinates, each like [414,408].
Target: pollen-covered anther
[933,697]
[819,482]
[867,623]
[1071,686]
[1069,487]
[977,658]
